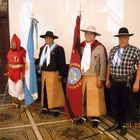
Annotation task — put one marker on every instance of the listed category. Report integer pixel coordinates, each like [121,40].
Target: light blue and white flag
[30,86]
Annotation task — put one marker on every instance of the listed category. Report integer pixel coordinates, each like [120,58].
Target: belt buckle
[119,79]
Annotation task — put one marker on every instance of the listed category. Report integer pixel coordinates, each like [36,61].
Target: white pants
[16,89]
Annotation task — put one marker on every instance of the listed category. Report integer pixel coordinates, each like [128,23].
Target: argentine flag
[30,85]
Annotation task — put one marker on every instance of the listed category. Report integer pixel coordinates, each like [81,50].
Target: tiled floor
[31,125]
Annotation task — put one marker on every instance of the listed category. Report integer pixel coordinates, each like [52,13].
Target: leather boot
[95,122]
[22,106]
[123,130]
[15,100]
[80,121]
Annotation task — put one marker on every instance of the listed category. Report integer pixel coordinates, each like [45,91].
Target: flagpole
[73,117]
[80,15]
[33,18]
[80,10]
[30,88]
[35,22]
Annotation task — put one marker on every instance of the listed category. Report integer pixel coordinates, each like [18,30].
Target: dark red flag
[73,104]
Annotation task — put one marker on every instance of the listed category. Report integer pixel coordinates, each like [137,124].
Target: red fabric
[16,57]
[74,92]
[94,44]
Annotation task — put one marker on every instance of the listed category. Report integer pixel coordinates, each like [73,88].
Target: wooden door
[4,47]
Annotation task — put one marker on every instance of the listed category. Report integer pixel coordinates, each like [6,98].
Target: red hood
[17,40]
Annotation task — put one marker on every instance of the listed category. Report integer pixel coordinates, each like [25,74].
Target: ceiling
[3,5]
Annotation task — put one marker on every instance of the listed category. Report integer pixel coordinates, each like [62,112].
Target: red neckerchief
[94,44]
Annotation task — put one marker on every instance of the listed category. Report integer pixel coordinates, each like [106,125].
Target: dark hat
[50,34]
[123,32]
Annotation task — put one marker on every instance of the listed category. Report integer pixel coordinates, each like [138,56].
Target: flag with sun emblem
[73,106]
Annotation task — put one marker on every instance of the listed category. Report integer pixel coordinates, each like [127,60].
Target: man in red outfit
[16,70]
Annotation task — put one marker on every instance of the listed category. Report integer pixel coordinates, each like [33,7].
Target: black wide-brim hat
[50,34]
[123,32]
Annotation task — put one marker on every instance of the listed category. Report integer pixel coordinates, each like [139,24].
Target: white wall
[59,16]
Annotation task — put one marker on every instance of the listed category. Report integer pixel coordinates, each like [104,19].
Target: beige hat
[91,29]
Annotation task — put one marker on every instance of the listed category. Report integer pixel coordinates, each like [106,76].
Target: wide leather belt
[122,79]
[16,66]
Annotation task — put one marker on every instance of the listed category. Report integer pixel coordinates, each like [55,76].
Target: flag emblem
[74,76]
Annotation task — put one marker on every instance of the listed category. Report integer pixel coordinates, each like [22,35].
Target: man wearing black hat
[123,79]
[52,66]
